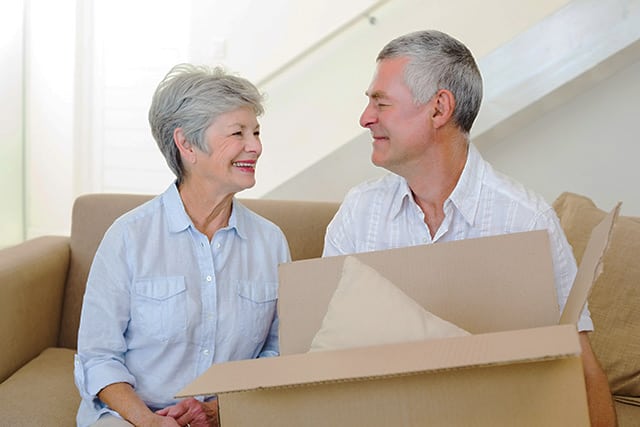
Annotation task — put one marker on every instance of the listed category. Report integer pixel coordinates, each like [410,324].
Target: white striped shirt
[382,214]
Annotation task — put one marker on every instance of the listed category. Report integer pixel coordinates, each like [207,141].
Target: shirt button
[425,240]
[209,278]
[217,245]
[205,352]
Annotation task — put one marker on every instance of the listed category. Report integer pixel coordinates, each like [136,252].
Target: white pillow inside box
[367,309]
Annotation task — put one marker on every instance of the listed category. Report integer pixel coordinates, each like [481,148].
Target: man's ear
[186,149]
[444,105]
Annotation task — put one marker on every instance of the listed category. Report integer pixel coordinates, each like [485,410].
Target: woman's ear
[444,105]
[186,149]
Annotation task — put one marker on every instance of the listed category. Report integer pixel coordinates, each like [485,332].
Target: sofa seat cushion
[45,383]
[615,297]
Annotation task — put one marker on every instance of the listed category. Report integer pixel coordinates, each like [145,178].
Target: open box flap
[590,268]
[489,349]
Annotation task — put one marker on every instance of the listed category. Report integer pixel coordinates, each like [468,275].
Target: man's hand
[193,413]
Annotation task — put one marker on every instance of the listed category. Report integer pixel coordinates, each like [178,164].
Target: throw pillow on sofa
[367,309]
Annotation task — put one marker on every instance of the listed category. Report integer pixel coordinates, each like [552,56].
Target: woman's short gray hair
[191,97]
[438,61]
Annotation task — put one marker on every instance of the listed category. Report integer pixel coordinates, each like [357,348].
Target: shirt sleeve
[101,342]
[338,239]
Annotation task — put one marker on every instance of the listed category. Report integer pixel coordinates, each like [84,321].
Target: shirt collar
[466,194]
[239,219]
[403,195]
[178,219]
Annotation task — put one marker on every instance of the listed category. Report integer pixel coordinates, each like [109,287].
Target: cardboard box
[519,368]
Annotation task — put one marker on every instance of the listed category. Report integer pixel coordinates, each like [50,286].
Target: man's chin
[378,161]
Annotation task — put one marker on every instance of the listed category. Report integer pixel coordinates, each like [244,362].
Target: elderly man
[423,100]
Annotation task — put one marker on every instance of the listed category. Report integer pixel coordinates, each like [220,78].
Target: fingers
[172,411]
[178,410]
[193,412]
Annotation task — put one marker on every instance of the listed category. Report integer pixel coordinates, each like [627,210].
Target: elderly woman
[190,278]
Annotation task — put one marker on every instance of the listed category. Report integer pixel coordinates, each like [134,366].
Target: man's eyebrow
[375,95]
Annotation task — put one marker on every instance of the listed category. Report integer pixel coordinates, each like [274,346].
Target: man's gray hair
[438,61]
[191,97]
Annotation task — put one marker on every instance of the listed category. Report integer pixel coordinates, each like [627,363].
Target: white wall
[315,106]
[568,122]
[132,54]
[590,145]
[49,110]
[11,153]
[87,101]
[91,67]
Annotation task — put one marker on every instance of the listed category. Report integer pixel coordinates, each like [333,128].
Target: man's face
[400,129]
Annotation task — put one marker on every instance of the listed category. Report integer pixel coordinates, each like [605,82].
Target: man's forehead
[374,90]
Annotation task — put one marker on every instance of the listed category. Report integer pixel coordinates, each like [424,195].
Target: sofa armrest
[32,281]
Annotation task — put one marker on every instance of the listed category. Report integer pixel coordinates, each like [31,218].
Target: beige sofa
[42,283]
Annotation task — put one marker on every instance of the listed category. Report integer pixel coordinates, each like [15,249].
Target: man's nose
[368,116]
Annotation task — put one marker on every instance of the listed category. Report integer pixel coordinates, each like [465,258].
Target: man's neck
[436,179]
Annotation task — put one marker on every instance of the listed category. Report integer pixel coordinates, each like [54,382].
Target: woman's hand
[122,398]
[193,413]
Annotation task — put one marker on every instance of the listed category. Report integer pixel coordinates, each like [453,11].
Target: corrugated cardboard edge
[491,349]
[590,267]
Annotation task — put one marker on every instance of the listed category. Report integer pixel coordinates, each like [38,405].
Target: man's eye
[256,133]
[239,133]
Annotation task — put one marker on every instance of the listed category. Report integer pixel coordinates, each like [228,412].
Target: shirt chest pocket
[159,307]
[257,305]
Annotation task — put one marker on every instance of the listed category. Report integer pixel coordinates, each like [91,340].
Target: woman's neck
[208,211]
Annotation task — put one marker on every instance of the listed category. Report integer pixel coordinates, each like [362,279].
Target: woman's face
[234,147]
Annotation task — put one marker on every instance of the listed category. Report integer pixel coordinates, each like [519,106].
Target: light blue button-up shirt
[382,214]
[163,303]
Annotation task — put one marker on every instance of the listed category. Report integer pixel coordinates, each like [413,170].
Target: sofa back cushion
[615,297]
[302,222]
